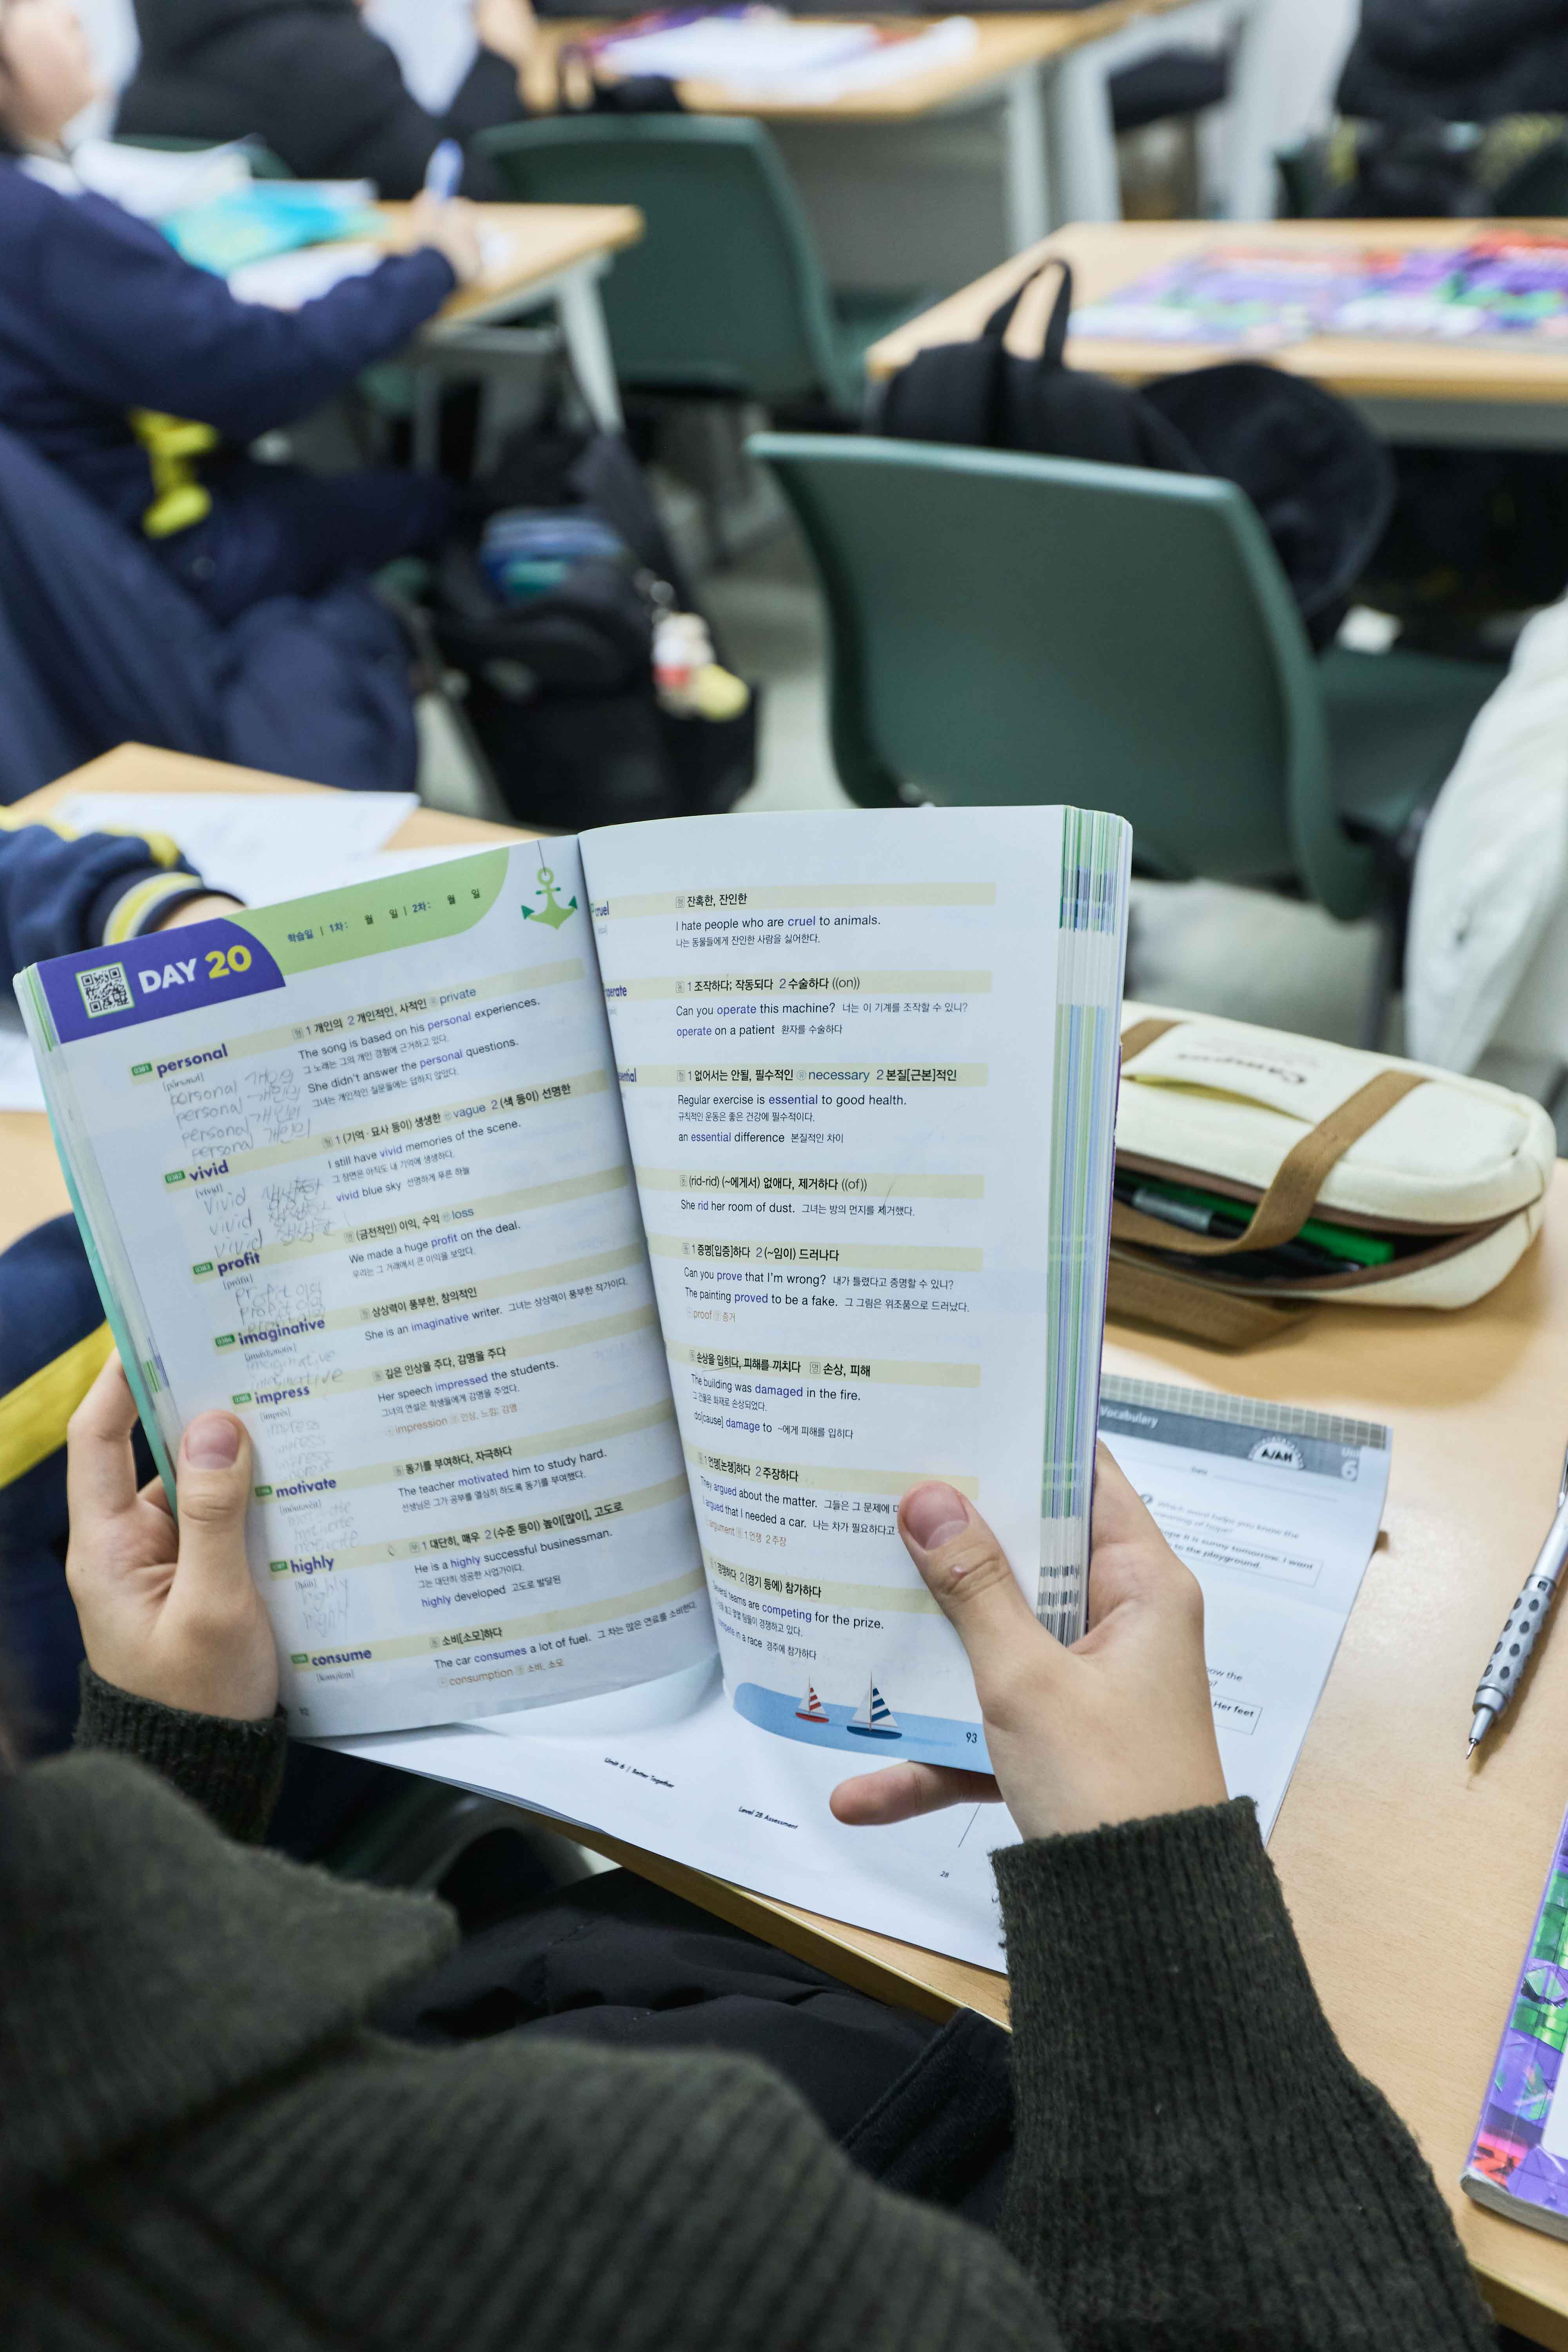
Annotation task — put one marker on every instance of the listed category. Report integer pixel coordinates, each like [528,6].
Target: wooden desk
[1412,1875]
[1050,70]
[554,256]
[1409,391]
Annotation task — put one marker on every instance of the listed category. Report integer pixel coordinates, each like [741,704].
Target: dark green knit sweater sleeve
[1196,2161]
[233,1770]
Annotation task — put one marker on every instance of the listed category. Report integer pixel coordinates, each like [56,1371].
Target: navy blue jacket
[58,893]
[100,316]
[61,892]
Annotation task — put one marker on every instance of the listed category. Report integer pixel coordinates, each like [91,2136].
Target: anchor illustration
[553,912]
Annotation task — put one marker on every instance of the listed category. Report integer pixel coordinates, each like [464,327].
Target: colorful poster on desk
[1519,2161]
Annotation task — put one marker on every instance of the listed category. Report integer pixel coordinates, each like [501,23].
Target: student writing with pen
[143,379]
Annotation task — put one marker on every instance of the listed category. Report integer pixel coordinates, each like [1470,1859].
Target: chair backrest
[724,293]
[1010,628]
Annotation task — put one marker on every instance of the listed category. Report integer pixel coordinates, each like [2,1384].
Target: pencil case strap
[1141,1293]
[1292,1196]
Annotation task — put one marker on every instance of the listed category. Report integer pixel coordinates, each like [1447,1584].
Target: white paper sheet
[1275,1510]
[19,1088]
[154,184]
[756,48]
[261,848]
[711,1790]
[762,56]
[283,281]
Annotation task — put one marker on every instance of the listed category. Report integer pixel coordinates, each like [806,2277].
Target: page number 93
[221,961]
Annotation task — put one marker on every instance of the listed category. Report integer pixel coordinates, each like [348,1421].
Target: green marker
[1339,1240]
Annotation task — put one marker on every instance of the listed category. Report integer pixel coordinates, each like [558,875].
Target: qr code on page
[105,990]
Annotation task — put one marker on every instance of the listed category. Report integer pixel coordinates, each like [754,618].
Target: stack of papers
[151,183]
[762,53]
[270,216]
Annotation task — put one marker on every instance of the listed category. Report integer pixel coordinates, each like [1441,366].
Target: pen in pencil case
[1210,1213]
[1189,1212]
[1510,1653]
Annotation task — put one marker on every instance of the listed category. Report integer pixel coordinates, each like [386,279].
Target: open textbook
[1274,1507]
[599,1236]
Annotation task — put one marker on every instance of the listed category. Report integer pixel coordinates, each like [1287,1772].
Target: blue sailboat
[875,1718]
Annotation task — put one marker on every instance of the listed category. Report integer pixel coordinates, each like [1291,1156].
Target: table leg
[581,316]
[1028,184]
[1083,142]
[1250,192]
[426,434]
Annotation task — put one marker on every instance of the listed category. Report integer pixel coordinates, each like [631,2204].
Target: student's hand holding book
[168,1610]
[1115,1729]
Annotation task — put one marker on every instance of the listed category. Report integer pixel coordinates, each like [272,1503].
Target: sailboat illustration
[811,1709]
[875,1718]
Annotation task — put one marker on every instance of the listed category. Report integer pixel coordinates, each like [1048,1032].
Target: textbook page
[876,1195]
[701,1786]
[1275,1509]
[357,1170]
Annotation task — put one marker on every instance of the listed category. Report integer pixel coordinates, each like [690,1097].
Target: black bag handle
[1054,345]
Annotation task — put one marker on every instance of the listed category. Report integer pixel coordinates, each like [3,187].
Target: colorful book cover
[1519,2161]
[1255,301]
[1504,286]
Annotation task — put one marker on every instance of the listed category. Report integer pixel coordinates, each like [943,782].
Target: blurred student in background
[143,379]
[313,81]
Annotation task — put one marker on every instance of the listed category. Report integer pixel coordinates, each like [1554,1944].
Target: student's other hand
[451,225]
[168,1613]
[199,911]
[1114,1730]
[509,27]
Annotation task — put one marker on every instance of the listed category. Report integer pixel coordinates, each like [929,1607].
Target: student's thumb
[214,1492]
[967,1572]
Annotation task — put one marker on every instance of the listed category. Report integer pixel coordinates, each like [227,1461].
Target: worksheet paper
[19,1088]
[1276,1510]
[257,846]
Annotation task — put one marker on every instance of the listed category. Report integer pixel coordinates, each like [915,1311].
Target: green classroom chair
[1010,628]
[724,294]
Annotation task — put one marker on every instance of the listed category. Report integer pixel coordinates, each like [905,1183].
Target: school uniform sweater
[1457,60]
[312,80]
[204,2143]
[110,341]
[58,894]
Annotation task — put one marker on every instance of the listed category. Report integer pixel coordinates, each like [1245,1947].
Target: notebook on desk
[1518,2160]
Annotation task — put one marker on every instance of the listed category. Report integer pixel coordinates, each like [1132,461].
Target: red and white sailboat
[811,1709]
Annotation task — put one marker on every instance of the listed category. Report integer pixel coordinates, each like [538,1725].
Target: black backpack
[1321,482]
[561,690]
